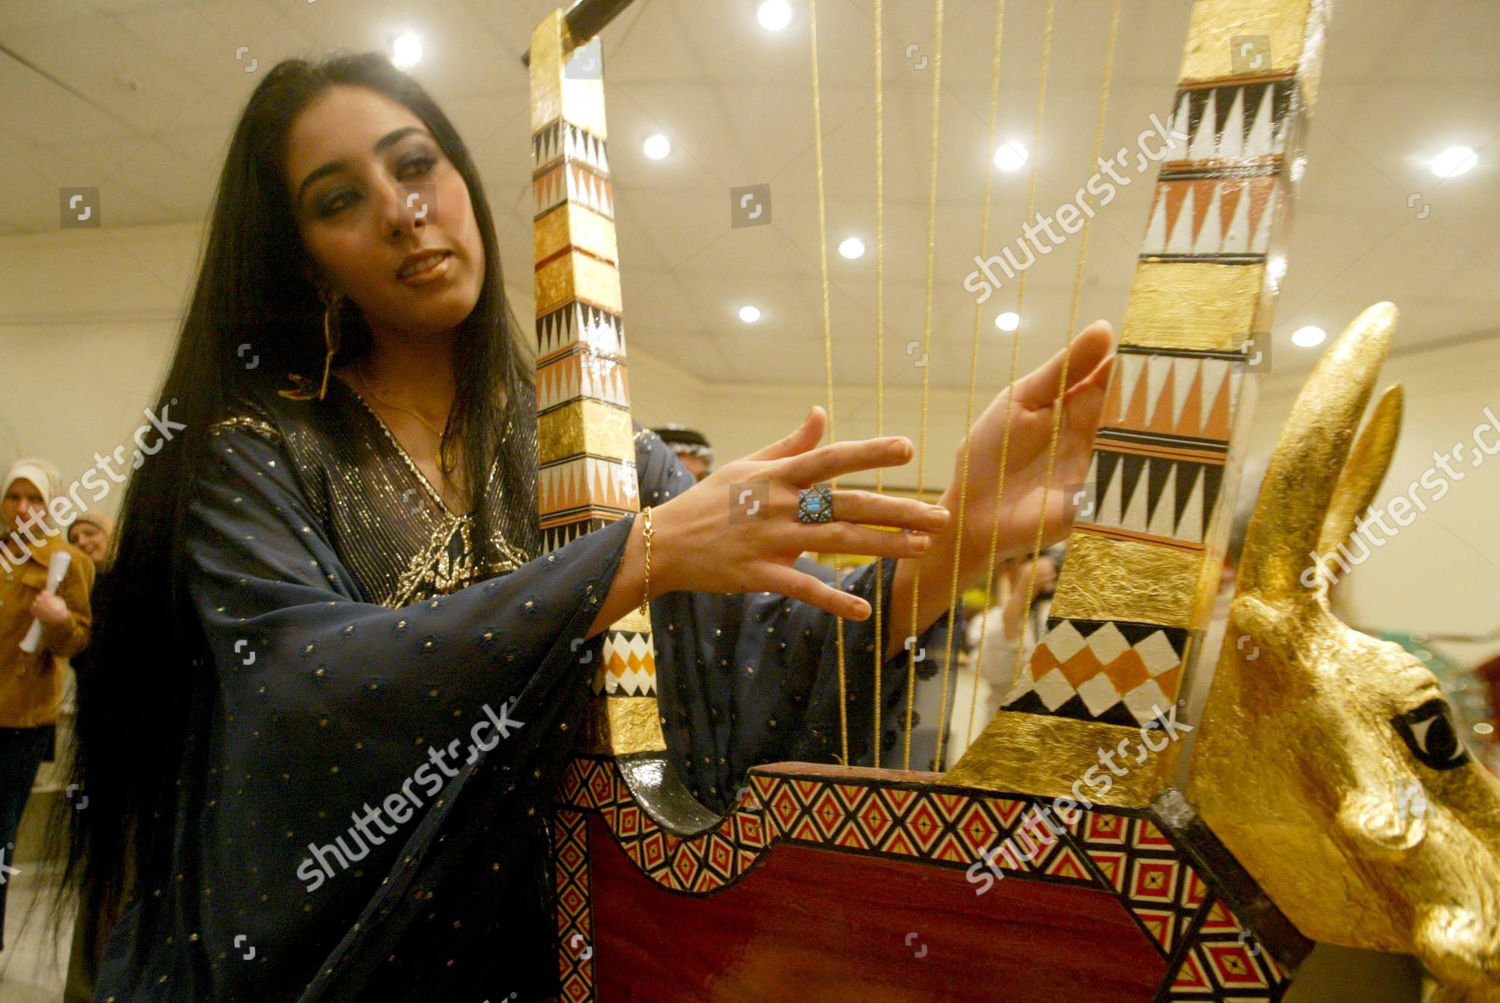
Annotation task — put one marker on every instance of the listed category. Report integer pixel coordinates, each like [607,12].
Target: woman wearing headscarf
[31,682]
[93,533]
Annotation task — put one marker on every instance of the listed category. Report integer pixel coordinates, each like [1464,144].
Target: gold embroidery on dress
[244,422]
[434,571]
[397,550]
[406,458]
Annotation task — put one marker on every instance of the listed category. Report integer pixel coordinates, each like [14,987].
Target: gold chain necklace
[359,367]
[442,437]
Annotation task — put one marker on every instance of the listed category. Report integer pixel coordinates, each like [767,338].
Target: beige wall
[87,320]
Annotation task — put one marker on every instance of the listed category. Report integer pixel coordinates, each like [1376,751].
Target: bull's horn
[1365,470]
[1310,454]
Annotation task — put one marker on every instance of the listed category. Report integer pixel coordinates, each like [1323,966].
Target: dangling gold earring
[331,337]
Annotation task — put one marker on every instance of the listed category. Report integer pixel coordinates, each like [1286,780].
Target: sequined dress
[360,634]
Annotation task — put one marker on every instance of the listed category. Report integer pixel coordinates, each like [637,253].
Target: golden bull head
[1328,761]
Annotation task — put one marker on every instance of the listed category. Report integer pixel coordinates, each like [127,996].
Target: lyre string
[1015,358]
[812,34]
[916,582]
[1062,379]
[963,480]
[1088,217]
[879,710]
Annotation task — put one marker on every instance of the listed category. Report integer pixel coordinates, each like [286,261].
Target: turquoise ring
[815,505]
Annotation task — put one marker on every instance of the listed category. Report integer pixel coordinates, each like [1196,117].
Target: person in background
[691,447]
[1006,647]
[93,533]
[31,684]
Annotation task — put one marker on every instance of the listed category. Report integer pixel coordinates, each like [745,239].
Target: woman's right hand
[729,534]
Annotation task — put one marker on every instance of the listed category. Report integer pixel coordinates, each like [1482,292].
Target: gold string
[812,34]
[963,480]
[879,711]
[1062,379]
[1015,358]
[937,82]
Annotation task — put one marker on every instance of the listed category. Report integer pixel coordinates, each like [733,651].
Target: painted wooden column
[1144,559]
[585,442]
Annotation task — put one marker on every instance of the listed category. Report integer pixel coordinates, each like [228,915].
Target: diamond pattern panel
[1102,670]
[570,845]
[1224,962]
[1145,871]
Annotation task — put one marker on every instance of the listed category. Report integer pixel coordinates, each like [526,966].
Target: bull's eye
[1429,733]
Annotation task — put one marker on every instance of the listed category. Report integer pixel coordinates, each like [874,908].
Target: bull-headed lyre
[1055,860]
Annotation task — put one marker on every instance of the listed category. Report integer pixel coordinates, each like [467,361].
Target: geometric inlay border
[1211,954]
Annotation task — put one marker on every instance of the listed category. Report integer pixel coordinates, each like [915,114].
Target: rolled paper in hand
[55,572]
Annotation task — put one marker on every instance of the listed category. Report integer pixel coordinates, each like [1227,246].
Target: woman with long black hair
[325,583]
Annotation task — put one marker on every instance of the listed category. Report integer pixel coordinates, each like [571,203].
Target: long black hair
[252,306]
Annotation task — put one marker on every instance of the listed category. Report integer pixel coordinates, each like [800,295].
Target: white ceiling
[139,97]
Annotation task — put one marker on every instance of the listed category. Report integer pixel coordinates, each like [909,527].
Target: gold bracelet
[646,534]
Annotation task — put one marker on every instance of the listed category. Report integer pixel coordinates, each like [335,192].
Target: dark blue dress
[339,834]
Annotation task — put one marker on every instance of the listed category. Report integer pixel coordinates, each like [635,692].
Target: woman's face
[348,156]
[90,539]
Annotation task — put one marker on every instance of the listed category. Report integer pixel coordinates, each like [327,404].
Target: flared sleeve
[343,736]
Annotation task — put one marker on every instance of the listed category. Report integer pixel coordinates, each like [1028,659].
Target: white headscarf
[45,476]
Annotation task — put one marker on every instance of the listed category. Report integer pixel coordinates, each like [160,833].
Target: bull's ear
[1384,822]
[1364,471]
[1304,469]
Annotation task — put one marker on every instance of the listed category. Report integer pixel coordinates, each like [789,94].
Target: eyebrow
[338,165]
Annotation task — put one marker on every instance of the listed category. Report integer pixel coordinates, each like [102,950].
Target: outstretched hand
[1028,495]
[737,530]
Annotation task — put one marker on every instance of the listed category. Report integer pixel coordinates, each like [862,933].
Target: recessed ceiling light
[1309,336]
[657,146]
[852,247]
[1008,321]
[1453,161]
[406,50]
[749,314]
[1484,728]
[774,15]
[1011,156]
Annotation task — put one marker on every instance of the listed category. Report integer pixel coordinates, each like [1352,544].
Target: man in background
[31,684]
[691,447]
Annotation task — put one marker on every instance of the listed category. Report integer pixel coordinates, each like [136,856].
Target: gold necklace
[442,436]
[359,367]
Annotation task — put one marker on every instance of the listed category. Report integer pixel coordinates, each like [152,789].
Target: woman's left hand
[1030,408]
[50,609]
